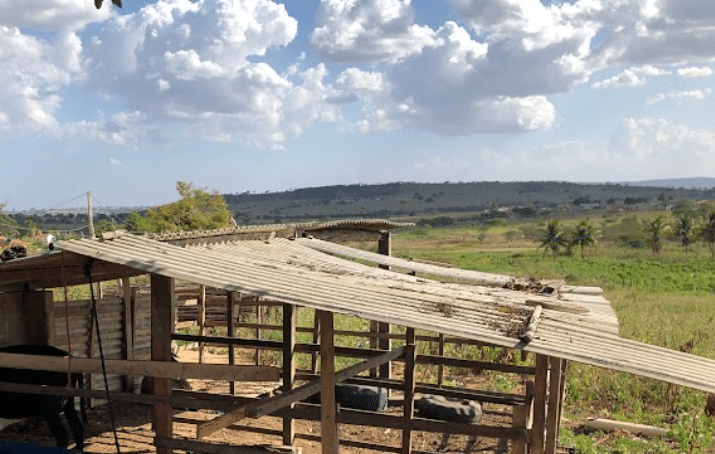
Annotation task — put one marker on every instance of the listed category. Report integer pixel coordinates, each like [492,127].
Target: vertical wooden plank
[440,368]
[128,323]
[230,333]
[259,320]
[540,387]
[522,419]
[289,319]
[373,344]
[384,247]
[162,295]
[316,340]
[328,407]
[562,393]
[553,413]
[410,360]
[202,319]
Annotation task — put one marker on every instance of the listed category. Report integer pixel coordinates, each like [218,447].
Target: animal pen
[293,267]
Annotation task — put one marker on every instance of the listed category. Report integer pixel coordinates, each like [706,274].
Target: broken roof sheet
[577,324]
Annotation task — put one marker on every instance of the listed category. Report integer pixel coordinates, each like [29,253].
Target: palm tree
[655,228]
[584,234]
[553,237]
[707,232]
[684,228]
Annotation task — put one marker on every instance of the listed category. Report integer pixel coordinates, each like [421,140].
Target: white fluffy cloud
[630,77]
[32,71]
[694,71]
[187,63]
[368,30]
[692,94]
[645,139]
[50,14]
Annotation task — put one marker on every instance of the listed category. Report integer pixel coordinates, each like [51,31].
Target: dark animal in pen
[19,405]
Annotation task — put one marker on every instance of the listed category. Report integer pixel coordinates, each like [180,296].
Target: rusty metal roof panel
[575,326]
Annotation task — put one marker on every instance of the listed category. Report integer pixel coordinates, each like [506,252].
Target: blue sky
[268,95]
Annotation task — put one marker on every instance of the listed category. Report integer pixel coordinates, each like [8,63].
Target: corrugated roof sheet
[576,324]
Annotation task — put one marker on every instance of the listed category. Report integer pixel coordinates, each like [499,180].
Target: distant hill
[687,183]
[405,199]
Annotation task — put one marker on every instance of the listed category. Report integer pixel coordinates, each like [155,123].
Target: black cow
[18,405]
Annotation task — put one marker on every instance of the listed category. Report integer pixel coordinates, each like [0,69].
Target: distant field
[665,300]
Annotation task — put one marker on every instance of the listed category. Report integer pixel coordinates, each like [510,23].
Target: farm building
[294,267]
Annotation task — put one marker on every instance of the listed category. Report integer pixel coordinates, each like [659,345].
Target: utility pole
[89,214]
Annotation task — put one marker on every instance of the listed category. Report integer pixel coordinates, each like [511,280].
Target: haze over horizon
[268,95]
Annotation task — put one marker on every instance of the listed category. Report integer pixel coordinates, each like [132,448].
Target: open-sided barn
[291,267]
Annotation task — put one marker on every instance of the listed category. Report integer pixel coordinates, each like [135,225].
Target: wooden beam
[162,296]
[384,247]
[409,374]
[289,321]
[268,406]
[230,331]
[128,322]
[158,369]
[328,404]
[202,319]
[553,414]
[540,387]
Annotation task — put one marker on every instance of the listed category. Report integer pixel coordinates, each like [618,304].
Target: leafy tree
[198,209]
[8,225]
[656,228]
[136,223]
[707,232]
[584,235]
[684,226]
[553,237]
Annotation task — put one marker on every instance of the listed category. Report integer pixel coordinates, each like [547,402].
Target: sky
[271,95]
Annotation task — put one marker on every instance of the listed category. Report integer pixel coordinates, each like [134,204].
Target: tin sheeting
[574,326]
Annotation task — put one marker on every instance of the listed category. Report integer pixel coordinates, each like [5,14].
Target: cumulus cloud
[645,139]
[630,77]
[694,71]
[50,14]
[692,94]
[368,30]
[187,64]
[31,75]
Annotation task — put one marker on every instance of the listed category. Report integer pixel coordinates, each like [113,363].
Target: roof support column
[289,318]
[541,380]
[553,414]
[162,295]
[328,407]
[384,247]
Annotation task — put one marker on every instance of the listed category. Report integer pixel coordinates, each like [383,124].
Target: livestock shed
[294,267]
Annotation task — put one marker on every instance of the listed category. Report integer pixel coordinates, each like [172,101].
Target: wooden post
[553,414]
[440,368]
[162,295]
[540,388]
[522,419]
[289,319]
[373,344]
[128,322]
[384,247]
[409,374]
[202,319]
[328,407]
[316,340]
[229,333]
[90,214]
[259,320]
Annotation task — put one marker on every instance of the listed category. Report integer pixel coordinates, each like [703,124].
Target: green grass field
[666,300]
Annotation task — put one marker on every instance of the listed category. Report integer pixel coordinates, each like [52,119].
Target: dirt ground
[135,435]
